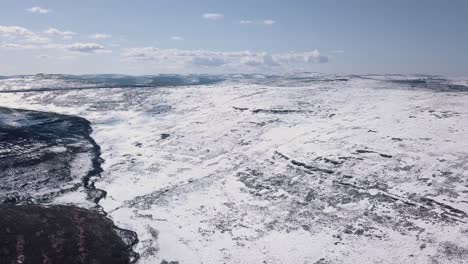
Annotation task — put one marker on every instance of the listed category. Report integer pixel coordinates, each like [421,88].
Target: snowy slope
[281,169]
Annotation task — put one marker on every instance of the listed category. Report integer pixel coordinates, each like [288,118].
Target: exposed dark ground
[58,234]
[43,155]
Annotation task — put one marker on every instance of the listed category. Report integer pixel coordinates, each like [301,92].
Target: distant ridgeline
[51,82]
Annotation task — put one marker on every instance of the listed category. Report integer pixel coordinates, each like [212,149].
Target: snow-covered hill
[304,168]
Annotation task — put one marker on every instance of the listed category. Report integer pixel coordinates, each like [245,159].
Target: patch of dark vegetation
[240,108]
[361,151]
[322,261]
[307,166]
[328,160]
[281,155]
[274,111]
[279,111]
[385,155]
[365,151]
[159,109]
[431,83]
[61,234]
[410,81]
[447,208]
[420,206]
[453,251]
[310,167]
[169,262]
[291,81]
[443,114]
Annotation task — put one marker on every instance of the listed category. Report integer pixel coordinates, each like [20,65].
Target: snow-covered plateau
[304,168]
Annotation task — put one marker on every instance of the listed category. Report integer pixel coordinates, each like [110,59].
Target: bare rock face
[59,234]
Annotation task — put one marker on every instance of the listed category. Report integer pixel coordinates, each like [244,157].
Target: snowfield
[278,169]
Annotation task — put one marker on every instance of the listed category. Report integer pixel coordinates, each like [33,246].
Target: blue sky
[227,36]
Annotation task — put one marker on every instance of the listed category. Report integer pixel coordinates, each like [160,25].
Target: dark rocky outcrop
[45,154]
[58,234]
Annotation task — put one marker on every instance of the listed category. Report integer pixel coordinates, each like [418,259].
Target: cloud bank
[20,35]
[57,33]
[247,61]
[86,47]
[53,43]
[16,37]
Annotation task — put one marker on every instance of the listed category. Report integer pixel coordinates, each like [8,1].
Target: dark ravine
[44,155]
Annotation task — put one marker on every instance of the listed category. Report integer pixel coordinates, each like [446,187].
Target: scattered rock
[386,155]
[169,262]
[360,151]
[310,167]
[365,151]
[279,111]
[240,108]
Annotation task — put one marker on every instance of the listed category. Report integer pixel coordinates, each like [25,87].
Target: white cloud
[100,36]
[16,46]
[57,33]
[268,22]
[213,16]
[177,38]
[20,38]
[337,51]
[38,10]
[226,61]
[86,48]
[14,31]
[21,34]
